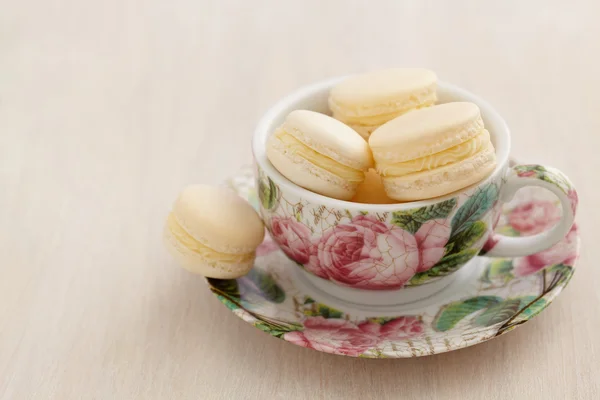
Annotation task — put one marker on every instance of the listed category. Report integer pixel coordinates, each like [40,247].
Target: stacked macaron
[433,151]
[420,150]
[365,102]
[320,153]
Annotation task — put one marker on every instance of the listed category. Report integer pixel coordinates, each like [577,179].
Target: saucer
[486,298]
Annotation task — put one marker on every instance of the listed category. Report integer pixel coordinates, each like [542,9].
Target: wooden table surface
[108,108]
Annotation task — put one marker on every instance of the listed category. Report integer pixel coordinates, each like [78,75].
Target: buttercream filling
[374,120]
[452,155]
[203,251]
[295,146]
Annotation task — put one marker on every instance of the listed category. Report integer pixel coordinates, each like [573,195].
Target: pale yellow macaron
[433,151]
[364,102]
[213,232]
[320,154]
[371,191]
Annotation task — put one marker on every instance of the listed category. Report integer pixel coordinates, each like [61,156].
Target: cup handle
[548,178]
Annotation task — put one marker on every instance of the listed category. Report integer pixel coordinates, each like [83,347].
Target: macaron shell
[364,130]
[449,156]
[295,149]
[218,218]
[309,176]
[329,137]
[382,92]
[441,181]
[425,131]
[195,263]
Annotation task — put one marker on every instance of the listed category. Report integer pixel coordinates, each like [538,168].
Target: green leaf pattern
[531,306]
[498,313]
[445,266]
[474,208]
[262,284]
[256,281]
[452,313]
[322,310]
[411,220]
[540,172]
[469,236]
[499,269]
[277,329]
[467,230]
[224,286]
[268,193]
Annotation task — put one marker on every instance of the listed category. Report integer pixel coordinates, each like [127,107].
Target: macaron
[319,153]
[433,151]
[367,101]
[213,232]
[371,191]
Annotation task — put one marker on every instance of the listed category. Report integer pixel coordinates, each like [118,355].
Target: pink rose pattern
[339,336]
[534,217]
[572,195]
[293,238]
[564,252]
[268,246]
[490,244]
[552,176]
[431,239]
[493,239]
[368,253]
[365,253]
[527,174]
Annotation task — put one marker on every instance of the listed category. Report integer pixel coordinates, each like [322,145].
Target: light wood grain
[108,108]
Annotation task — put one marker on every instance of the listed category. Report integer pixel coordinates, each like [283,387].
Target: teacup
[348,248]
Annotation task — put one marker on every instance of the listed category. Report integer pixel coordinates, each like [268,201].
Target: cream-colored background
[108,108]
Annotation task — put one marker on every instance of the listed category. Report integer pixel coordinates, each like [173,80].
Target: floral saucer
[488,297]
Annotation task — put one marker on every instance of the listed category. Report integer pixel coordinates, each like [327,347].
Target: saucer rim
[549,296]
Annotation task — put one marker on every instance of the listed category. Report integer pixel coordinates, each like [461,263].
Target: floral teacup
[346,247]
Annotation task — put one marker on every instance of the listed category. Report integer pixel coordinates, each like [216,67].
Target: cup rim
[494,123]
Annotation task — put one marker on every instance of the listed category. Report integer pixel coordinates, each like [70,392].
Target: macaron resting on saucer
[433,151]
[320,154]
[366,101]
[213,232]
